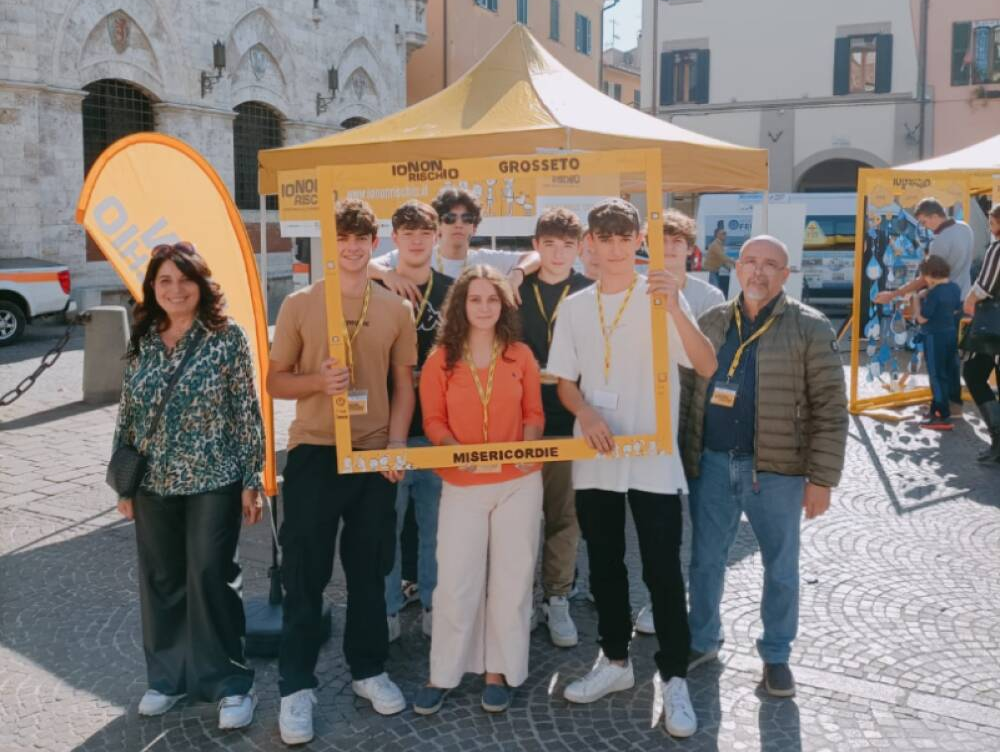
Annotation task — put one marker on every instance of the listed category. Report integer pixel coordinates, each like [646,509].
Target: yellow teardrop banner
[149,188]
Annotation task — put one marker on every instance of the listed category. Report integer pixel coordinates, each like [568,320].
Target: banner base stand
[263,626]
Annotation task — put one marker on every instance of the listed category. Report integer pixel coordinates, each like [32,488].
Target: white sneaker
[295,720]
[382,692]
[428,622]
[604,678]
[678,715]
[562,630]
[644,621]
[395,629]
[157,703]
[236,711]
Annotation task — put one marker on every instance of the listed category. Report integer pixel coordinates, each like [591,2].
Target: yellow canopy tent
[886,197]
[519,99]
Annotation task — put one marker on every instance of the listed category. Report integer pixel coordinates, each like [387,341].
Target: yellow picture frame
[377,179]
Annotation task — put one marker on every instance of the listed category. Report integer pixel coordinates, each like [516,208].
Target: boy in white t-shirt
[601,352]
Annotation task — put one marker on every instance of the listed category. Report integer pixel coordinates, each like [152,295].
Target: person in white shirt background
[459,214]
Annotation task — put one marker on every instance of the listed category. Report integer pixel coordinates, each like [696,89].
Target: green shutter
[883,63]
[842,66]
[666,78]
[554,20]
[961,43]
[701,77]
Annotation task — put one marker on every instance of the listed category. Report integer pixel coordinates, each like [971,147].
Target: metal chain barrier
[48,360]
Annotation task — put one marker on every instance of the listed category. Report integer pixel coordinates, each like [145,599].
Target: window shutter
[883,64]
[701,77]
[841,66]
[666,78]
[961,41]
[554,20]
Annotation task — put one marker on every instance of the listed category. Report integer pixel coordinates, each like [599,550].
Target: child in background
[940,310]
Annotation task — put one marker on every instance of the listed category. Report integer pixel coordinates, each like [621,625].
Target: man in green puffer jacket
[764,437]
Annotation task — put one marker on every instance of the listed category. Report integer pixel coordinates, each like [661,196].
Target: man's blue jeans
[724,490]
[424,488]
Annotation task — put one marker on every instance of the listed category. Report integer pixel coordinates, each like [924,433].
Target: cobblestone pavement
[899,644]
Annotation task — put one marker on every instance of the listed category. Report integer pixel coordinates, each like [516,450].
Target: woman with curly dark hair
[204,460]
[482,385]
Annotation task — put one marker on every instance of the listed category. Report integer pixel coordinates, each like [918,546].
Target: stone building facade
[76,75]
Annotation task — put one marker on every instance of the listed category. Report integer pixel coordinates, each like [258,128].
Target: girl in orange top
[479,385]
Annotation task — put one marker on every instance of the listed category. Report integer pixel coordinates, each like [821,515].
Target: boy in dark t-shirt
[414,230]
[557,240]
[940,310]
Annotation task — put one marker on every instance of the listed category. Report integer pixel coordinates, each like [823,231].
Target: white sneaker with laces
[644,621]
[157,703]
[678,715]
[427,622]
[562,630]
[395,629]
[382,692]
[295,720]
[236,711]
[604,678]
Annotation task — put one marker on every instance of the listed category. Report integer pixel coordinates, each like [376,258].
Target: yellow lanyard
[423,303]
[440,263]
[485,395]
[549,322]
[744,344]
[605,331]
[351,336]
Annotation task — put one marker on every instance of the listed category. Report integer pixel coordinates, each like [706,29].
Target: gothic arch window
[256,127]
[112,109]
[353,122]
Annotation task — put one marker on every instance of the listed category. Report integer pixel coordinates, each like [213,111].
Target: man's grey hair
[770,240]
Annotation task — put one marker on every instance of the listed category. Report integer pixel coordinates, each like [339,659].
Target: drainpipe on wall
[600,64]
[922,77]
[444,44]
[655,94]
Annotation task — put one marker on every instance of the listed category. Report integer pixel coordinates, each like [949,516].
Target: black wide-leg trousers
[189,588]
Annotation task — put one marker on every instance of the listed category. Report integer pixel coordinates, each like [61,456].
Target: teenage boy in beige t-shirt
[382,342]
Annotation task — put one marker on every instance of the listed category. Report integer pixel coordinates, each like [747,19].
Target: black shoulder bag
[982,335]
[127,466]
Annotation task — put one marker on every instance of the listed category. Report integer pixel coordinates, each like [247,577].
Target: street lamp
[208,81]
[333,82]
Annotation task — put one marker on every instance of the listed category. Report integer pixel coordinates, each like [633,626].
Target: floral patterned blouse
[211,433]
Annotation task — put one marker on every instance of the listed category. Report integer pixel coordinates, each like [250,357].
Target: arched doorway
[831,176]
[257,126]
[111,110]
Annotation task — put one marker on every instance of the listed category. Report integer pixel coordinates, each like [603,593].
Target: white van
[828,249]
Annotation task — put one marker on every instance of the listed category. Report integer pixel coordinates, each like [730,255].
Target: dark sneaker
[496,698]
[411,592]
[696,657]
[429,700]
[778,680]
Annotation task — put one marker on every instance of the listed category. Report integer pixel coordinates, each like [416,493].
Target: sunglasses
[451,218]
[165,249]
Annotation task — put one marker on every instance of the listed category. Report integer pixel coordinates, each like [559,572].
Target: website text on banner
[147,189]
[536,174]
[889,247]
